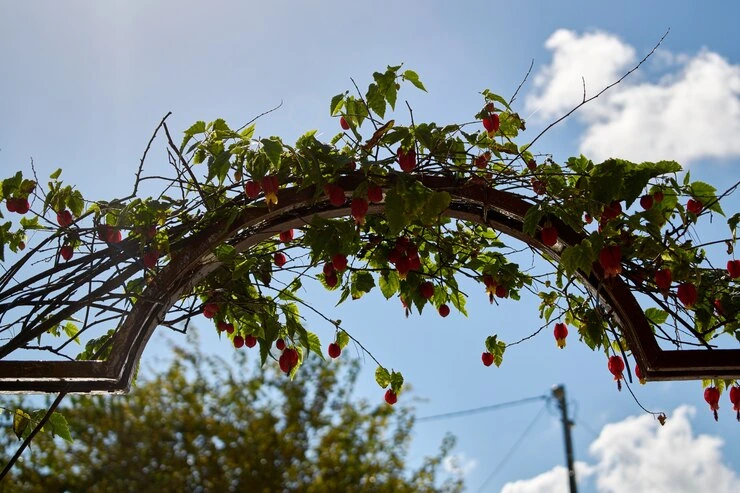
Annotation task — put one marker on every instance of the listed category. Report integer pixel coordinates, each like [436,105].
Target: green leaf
[344,296]
[395,212]
[495,97]
[376,100]
[638,176]
[247,133]
[532,220]
[55,175]
[592,330]
[59,427]
[336,104]
[580,165]
[196,128]
[21,422]
[273,149]
[578,257]
[32,223]
[312,343]
[219,167]
[71,330]
[363,281]
[437,203]
[458,301]
[241,269]
[607,180]
[76,203]
[706,193]
[224,252]
[413,77]
[396,382]
[342,338]
[656,316]
[496,347]
[219,125]
[732,222]
[382,377]
[389,284]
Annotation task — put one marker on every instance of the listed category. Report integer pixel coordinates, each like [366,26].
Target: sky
[83,85]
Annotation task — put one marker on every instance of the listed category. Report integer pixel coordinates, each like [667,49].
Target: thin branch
[259,116]
[526,76]
[577,107]
[143,158]
[184,163]
[31,435]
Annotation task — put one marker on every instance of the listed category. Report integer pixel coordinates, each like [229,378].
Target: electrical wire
[512,450]
[493,407]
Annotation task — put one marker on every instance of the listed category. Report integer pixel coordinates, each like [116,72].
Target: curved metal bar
[475,202]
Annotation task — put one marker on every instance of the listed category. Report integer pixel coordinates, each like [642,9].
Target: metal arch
[475,202]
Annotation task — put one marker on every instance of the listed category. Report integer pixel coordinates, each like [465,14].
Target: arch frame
[471,201]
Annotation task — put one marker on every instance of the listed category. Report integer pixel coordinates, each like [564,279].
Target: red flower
[639,375]
[390,397]
[663,279]
[270,185]
[492,123]
[735,399]
[687,294]
[610,259]
[616,367]
[694,206]
[733,268]
[549,235]
[335,194]
[252,189]
[487,358]
[359,209]
[334,350]
[407,159]
[560,333]
[375,194]
[711,395]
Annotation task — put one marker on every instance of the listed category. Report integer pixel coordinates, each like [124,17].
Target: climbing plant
[368,210]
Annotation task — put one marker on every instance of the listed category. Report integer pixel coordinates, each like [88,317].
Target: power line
[493,407]
[513,449]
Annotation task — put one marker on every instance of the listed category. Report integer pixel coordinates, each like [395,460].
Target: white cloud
[691,113]
[638,455]
[553,481]
[458,465]
[598,58]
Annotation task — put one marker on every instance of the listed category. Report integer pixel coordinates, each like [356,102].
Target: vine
[91,262]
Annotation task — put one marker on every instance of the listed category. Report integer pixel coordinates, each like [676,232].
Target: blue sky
[83,85]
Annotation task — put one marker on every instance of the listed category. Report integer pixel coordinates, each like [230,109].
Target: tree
[207,425]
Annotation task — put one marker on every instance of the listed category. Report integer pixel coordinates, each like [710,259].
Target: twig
[526,76]
[260,116]
[185,164]
[574,109]
[143,157]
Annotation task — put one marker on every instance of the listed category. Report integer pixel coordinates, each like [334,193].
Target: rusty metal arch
[473,202]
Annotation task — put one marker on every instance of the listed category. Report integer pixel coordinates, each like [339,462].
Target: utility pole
[559,394]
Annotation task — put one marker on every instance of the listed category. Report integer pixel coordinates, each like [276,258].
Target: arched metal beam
[474,202]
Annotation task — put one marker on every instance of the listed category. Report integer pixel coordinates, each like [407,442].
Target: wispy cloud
[459,465]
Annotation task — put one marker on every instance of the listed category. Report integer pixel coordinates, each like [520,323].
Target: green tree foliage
[206,425]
